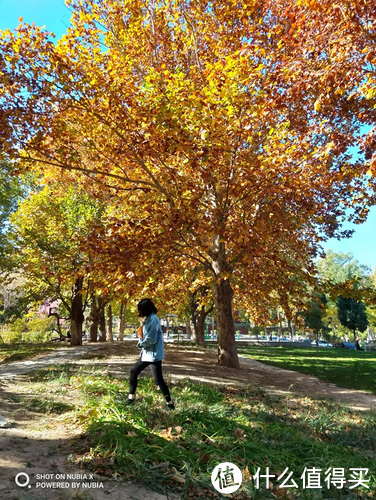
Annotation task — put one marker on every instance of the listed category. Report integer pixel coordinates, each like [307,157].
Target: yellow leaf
[317,105]
[178,478]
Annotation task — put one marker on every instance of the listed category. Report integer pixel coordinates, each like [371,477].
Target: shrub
[35,329]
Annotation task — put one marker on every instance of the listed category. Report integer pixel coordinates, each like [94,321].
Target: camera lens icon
[22,480]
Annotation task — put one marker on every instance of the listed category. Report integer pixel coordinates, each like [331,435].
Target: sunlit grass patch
[346,368]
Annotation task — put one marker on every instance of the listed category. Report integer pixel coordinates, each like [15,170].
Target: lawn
[20,351]
[175,451]
[352,369]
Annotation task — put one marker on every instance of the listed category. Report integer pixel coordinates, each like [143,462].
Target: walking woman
[152,352]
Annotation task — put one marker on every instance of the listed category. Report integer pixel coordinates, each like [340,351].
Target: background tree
[313,316]
[343,276]
[47,232]
[11,191]
[352,314]
[338,267]
[96,317]
[13,298]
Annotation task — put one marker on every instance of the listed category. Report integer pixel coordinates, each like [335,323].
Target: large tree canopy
[221,128]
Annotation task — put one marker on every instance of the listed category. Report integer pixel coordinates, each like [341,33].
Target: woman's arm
[150,332]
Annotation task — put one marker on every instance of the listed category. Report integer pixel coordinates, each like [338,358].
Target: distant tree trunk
[58,326]
[289,326]
[222,297]
[76,313]
[102,322]
[293,329]
[197,321]
[279,331]
[189,327]
[122,322]
[93,329]
[200,325]
[93,319]
[197,325]
[109,323]
[96,317]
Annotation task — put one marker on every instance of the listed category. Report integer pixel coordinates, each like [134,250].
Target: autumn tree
[222,130]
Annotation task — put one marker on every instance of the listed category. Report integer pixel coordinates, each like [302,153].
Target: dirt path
[36,444]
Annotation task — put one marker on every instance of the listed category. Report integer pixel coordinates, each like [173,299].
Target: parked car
[322,343]
[346,345]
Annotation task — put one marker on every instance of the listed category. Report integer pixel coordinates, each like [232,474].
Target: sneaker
[170,406]
[129,401]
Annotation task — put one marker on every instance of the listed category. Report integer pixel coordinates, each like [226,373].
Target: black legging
[156,369]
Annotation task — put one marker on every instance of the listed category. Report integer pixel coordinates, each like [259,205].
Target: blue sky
[362,245]
[55,16]
[51,13]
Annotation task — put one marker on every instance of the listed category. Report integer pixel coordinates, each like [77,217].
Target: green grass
[20,351]
[176,451]
[351,369]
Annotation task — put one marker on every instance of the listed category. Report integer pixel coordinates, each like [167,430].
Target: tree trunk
[93,331]
[222,297]
[76,314]
[122,322]
[109,323]
[293,329]
[227,350]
